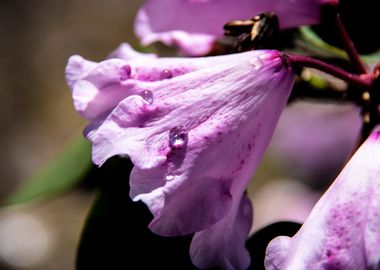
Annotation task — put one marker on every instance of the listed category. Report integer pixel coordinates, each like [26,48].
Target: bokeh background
[38,121]
[37,118]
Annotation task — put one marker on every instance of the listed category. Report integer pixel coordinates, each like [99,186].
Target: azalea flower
[193,25]
[195,129]
[343,229]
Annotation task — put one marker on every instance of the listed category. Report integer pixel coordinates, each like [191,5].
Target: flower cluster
[197,128]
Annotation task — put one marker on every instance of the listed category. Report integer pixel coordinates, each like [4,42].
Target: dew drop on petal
[166,74]
[147,95]
[257,62]
[178,137]
[125,72]
[169,177]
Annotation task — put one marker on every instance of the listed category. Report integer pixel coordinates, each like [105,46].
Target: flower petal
[173,205]
[224,243]
[127,53]
[190,43]
[123,123]
[154,124]
[76,68]
[342,231]
[193,25]
[294,13]
[98,87]
[195,137]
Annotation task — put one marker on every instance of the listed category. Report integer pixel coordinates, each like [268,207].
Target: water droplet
[177,137]
[257,62]
[147,95]
[169,177]
[166,74]
[125,72]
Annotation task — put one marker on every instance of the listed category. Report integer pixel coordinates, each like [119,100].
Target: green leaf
[316,43]
[313,39]
[61,174]
[372,58]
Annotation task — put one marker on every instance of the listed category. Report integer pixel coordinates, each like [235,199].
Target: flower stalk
[363,81]
[349,46]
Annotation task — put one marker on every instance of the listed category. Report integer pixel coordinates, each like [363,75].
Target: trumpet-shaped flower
[193,25]
[343,229]
[195,129]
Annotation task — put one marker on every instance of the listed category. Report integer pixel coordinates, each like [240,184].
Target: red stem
[362,81]
[349,46]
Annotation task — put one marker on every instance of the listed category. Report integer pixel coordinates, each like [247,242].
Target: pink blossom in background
[195,129]
[342,231]
[193,25]
[316,139]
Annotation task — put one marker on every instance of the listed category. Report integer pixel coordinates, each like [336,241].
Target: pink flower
[330,132]
[343,230]
[195,129]
[193,25]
